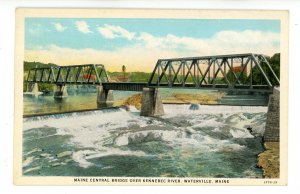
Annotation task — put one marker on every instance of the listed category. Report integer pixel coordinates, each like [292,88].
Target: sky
[139,43]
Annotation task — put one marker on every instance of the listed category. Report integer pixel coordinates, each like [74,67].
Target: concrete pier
[151,103]
[33,90]
[272,131]
[32,87]
[60,91]
[105,98]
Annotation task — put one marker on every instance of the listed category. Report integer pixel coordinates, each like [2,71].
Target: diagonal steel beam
[164,72]
[67,75]
[97,74]
[177,72]
[269,66]
[34,77]
[78,73]
[220,69]
[53,74]
[28,75]
[208,69]
[106,75]
[173,70]
[153,73]
[244,67]
[89,73]
[41,78]
[189,72]
[262,71]
[231,70]
[199,69]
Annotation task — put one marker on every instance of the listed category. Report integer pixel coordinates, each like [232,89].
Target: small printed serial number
[270,182]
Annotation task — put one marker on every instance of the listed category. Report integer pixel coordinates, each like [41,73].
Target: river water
[212,141]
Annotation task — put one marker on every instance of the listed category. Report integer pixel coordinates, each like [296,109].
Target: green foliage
[257,77]
[46,87]
[139,77]
[133,76]
[231,78]
[274,62]
[31,65]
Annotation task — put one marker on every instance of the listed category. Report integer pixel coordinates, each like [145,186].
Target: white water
[172,110]
[93,131]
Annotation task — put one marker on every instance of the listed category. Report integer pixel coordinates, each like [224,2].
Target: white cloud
[35,30]
[224,42]
[135,58]
[59,27]
[147,49]
[83,27]
[111,32]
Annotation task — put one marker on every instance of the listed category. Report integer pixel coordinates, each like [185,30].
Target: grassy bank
[198,98]
[269,160]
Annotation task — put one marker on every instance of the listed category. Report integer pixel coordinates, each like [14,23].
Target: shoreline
[119,104]
[136,100]
[269,160]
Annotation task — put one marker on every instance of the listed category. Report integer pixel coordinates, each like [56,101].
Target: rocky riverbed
[177,98]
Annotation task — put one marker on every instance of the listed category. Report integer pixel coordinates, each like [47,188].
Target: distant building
[239,69]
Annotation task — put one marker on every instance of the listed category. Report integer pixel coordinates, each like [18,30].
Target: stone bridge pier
[32,87]
[60,91]
[151,102]
[105,98]
[272,130]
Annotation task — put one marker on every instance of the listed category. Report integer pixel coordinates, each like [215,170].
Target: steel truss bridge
[222,72]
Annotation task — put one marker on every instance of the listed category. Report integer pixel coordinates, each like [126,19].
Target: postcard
[150,97]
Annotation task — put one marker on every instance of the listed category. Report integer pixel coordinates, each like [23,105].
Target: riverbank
[269,160]
[176,98]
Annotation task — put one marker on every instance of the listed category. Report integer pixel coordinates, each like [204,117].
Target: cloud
[223,42]
[143,53]
[111,32]
[83,27]
[35,30]
[59,27]
[135,58]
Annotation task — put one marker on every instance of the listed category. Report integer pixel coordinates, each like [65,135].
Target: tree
[258,77]
[124,71]
[274,62]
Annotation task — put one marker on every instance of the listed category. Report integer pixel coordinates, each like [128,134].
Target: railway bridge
[248,72]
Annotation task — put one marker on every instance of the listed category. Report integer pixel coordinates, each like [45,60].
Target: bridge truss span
[74,74]
[245,72]
[233,72]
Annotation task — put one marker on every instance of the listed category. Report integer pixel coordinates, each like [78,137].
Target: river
[212,141]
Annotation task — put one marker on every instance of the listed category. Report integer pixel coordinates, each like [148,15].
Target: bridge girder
[192,73]
[204,72]
[74,74]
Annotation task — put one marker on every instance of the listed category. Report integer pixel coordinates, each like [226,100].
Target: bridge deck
[221,87]
[138,86]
